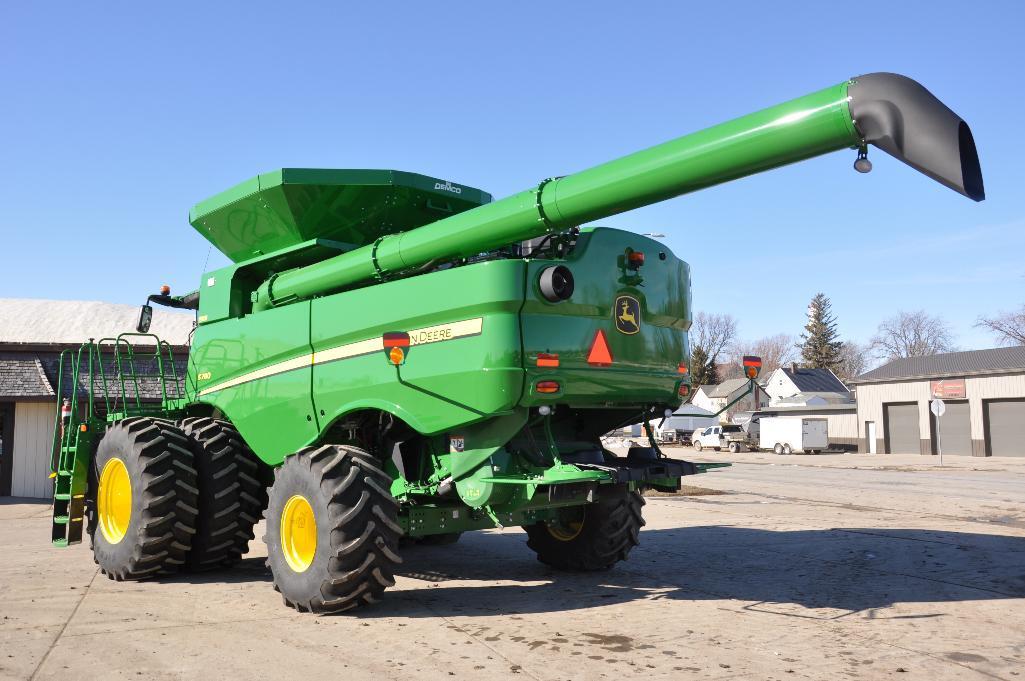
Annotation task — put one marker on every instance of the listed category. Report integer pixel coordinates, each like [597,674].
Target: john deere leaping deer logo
[628,315]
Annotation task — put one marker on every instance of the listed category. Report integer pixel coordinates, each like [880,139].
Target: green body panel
[467,348]
[645,365]
[292,205]
[249,347]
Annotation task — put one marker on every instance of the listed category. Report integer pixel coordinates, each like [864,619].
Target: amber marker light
[547,387]
[395,345]
[548,360]
[682,369]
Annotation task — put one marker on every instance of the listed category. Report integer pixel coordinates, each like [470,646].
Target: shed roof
[33,321]
[23,377]
[967,363]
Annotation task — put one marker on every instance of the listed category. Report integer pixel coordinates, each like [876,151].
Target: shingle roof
[972,362]
[815,380]
[727,388]
[23,377]
[67,322]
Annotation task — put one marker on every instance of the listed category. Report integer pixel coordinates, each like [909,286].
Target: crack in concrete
[64,627]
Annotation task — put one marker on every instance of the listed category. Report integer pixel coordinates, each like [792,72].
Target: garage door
[33,437]
[902,434]
[1005,427]
[955,429]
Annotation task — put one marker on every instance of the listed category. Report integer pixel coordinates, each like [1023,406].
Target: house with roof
[983,404]
[714,397]
[33,334]
[797,386]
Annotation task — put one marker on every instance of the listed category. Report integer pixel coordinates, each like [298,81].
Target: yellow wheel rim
[568,529]
[298,533]
[114,500]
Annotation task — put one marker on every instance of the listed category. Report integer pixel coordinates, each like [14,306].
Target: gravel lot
[784,568]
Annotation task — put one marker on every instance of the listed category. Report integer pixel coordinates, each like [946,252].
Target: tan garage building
[983,392]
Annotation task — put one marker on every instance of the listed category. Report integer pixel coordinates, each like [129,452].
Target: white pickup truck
[731,437]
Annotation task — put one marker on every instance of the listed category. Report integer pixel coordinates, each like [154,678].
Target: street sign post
[938,407]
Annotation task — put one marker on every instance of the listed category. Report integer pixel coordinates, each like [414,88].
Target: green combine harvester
[397,357]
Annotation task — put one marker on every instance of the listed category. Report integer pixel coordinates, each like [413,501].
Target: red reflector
[547,386]
[600,355]
[684,390]
[395,339]
[636,259]
[545,359]
[682,369]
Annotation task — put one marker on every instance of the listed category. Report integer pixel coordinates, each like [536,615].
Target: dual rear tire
[143,515]
[172,496]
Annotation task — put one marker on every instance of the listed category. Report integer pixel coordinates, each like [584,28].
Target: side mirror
[145,318]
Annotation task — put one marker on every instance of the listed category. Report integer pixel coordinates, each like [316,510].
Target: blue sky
[116,118]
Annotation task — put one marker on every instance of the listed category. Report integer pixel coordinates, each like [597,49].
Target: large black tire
[158,463]
[356,529]
[232,495]
[596,538]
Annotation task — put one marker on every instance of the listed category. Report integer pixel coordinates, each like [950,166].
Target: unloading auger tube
[889,111]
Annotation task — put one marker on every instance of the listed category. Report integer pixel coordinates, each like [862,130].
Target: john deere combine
[399,356]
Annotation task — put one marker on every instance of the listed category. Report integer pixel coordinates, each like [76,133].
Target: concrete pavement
[817,570]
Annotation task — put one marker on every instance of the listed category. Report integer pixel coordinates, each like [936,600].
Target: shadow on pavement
[820,574]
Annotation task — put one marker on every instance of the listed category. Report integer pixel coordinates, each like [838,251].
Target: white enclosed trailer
[793,434]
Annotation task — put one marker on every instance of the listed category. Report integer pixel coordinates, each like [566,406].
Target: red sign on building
[949,389]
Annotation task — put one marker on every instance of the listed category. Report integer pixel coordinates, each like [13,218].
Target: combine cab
[397,356]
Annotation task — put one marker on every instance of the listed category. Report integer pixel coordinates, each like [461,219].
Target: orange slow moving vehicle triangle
[600,355]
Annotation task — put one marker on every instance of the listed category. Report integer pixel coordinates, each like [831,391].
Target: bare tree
[853,360]
[775,351]
[714,333]
[1008,327]
[912,334]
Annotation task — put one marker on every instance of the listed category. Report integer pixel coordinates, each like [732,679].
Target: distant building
[33,333]
[983,392]
[792,386]
[714,397]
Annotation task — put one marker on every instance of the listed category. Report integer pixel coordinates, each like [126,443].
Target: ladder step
[60,520]
[62,497]
[60,542]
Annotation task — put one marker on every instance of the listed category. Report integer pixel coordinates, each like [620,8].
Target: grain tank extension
[398,357]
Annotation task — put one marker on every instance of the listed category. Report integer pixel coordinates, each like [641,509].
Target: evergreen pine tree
[820,347]
[703,370]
